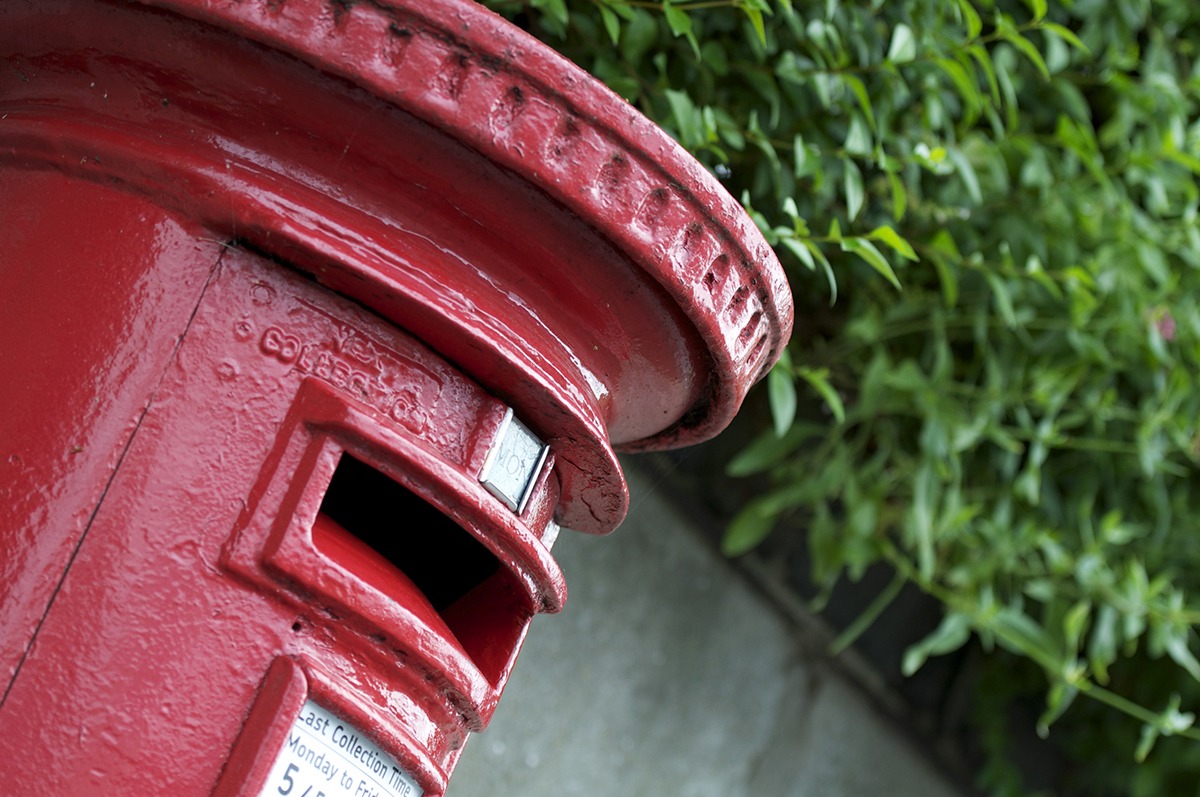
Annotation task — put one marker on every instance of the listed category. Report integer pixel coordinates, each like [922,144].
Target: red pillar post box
[317,320]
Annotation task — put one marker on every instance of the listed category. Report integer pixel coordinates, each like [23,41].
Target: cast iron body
[272,270]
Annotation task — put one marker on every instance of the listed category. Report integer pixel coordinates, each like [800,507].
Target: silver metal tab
[513,463]
[550,534]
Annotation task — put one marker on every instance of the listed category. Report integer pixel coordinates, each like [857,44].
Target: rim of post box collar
[665,211]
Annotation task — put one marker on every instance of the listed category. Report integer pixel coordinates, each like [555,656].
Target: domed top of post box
[561,248]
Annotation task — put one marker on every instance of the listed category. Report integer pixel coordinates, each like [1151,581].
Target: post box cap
[512,99]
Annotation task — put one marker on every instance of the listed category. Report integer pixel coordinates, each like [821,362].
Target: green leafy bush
[989,210]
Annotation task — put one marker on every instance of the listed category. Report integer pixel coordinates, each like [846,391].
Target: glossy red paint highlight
[253,247]
[93,285]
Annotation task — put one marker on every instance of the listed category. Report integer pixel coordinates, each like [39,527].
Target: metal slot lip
[513,463]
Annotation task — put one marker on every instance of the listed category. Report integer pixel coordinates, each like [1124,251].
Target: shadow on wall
[668,674]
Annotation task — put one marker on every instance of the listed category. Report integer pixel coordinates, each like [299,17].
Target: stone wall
[668,675]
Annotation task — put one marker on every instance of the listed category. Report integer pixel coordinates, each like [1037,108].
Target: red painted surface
[250,245]
[94,286]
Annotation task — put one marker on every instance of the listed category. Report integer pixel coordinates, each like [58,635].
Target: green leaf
[819,380]
[639,37]
[1035,269]
[919,523]
[1146,742]
[557,9]
[967,172]
[797,247]
[864,100]
[903,47]
[947,279]
[1003,299]
[678,21]
[767,449]
[621,9]
[1177,649]
[748,529]
[945,256]
[611,24]
[891,238]
[899,196]
[1009,92]
[1153,260]
[1028,49]
[1059,699]
[1038,8]
[980,54]
[781,391]
[799,226]
[1074,623]
[965,83]
[681,25]
[1170,722]
[950,635]
[907,377]
[756,19]
[853,181]
[858,137]
[873,257]
[755,133]
[1102,647]
[687,119]
[1067,35]
[1018,633]
[934,159]
[800,155]
[970,18]
[812,247]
